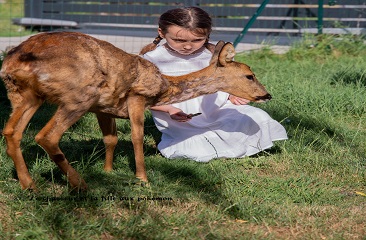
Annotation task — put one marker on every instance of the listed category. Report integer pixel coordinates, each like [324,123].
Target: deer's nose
[264,98]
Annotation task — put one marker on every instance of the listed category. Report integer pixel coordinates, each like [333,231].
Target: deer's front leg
[136,108]
[110,139]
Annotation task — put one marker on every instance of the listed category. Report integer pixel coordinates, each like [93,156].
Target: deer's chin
[262,101]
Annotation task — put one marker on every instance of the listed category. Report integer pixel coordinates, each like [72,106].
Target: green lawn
[311,186]
[11,9]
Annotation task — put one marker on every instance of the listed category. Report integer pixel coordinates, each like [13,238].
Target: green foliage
[321,47]
[308,187]
[11,9]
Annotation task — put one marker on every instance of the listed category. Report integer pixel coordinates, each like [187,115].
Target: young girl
[227,127]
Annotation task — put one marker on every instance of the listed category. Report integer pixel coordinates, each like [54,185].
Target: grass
[308,187]
[11,9]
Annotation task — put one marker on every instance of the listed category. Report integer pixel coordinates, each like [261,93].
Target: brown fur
[82,74]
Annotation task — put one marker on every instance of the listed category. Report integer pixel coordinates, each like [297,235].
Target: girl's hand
[174,113]
[178,115]
[237,100]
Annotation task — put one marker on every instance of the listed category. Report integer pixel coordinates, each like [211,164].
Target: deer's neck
[189,86]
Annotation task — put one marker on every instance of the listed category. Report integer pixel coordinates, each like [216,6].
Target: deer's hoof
[28,185]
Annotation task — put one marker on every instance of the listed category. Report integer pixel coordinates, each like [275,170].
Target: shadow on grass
[87,153]
[78,152]
[5,110]
[349,76]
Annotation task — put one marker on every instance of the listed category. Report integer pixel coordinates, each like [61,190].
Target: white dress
[223,130]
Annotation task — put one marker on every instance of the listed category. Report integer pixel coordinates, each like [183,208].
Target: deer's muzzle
[266,97]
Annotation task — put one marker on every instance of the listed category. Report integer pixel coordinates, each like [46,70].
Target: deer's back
[73,67]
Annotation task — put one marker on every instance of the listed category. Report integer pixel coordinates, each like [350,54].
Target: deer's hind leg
[24,106]
[110,139]
[49,137]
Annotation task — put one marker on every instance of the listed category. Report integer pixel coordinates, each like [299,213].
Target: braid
[157,40]
[209,46]
[151,46]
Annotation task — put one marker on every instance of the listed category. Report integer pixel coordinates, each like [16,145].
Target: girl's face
[182,40]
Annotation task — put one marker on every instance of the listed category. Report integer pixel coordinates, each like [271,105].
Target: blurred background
[132,24]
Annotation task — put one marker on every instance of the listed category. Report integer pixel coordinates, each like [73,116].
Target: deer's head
[240,80]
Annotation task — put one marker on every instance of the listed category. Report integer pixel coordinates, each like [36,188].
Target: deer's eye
[250,77]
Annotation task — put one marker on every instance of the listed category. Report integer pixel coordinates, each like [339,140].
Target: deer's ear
[216,53]
[227,54]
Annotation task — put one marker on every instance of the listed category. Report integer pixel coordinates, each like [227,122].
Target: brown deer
[82,74]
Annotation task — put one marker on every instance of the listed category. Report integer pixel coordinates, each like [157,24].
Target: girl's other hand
[238,101]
